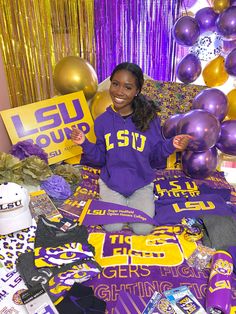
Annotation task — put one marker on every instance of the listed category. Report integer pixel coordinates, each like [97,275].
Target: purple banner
[141,265]
[100,213]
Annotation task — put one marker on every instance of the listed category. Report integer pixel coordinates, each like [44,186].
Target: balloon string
[184,6]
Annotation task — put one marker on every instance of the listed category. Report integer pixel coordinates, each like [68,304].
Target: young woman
[129,143]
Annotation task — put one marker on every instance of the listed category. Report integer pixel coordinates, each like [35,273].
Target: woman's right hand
[77,136]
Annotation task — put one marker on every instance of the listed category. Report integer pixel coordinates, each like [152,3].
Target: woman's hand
[77,136]
[181,141]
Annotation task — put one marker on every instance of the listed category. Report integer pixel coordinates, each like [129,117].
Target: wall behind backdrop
[36,34]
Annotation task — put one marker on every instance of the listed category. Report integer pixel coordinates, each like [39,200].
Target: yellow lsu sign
[48,124]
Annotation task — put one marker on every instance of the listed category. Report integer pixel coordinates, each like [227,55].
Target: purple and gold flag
[100,213]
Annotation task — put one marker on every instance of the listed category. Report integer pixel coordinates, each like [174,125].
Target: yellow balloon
[214,73]
[99,103]
[220,5]
[73,74]
[232,104]
[188,13]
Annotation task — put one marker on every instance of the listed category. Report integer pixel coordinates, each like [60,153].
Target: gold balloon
[73,74]
[214,73]
[99,103]
[220,5]
[232,104]
[188,13]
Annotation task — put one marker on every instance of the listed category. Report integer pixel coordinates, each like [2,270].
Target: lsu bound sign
[48,124]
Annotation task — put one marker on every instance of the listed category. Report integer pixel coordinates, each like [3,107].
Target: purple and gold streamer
[35,35]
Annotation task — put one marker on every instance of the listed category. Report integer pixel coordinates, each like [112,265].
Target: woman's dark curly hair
[145,110]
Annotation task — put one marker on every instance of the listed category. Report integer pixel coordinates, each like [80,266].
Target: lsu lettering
[176,188]
[197,205]
[48,124]
[162,248]
[124,138]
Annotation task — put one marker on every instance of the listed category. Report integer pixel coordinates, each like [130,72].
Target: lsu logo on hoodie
[124,138]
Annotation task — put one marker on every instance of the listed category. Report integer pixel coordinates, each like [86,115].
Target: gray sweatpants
[142,199]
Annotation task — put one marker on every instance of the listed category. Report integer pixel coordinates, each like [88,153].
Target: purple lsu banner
[100,213]
[48,124]
[141,265]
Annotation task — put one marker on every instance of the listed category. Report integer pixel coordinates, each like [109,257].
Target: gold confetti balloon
[99,103]
[73,74]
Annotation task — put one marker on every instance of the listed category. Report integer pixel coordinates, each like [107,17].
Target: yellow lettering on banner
[48,123]
[164,252]
[98,241]
[123,139]
[198,205]
[176,189]
[108,144]
[194,186]
[222,284]
[161,249]
[120,239]
[175,185]
[100,212]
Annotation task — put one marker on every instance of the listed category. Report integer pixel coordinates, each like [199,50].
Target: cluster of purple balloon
[187,30]
[204,124]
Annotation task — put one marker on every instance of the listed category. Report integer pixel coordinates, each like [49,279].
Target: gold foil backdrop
[35,35]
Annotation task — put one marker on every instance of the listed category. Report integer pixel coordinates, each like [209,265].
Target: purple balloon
[232,2]
[189,68]
[206,18]
[203,126]
[226,22]
[199,165]
[186,31]
[230,63]
[228,45]
[212,100]
[169,128]
[227,140]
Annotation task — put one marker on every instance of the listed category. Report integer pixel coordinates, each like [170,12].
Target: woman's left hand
[181,141]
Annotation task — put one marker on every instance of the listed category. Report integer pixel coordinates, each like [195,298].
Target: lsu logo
[223,267]
[197,205]
[100,212]
[165,307]
[48,124]
[126,138]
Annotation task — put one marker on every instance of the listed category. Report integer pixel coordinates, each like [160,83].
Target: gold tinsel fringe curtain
[35,35]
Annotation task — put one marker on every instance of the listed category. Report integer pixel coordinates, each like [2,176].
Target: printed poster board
[48,124]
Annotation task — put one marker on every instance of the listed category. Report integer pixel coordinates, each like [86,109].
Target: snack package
[183,301]
[201,257]
[37,301]
[41,204]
